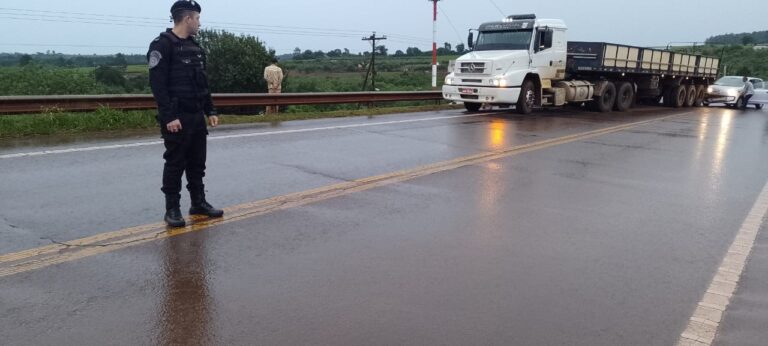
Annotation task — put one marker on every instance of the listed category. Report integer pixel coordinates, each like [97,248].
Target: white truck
[527,62]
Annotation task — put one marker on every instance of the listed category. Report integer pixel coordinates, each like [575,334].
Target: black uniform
[180,86]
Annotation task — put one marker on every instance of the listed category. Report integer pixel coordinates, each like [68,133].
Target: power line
[155,19]
[445,14]
[242,29]
[97,18]
[497,7]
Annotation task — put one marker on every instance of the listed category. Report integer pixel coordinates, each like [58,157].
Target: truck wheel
[605,102]
[679,96]
[690,95]
[758,106]
[701,94]
[624,97]
[527,98]
[472,107]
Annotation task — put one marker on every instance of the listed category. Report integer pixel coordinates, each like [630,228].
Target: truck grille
[472,68]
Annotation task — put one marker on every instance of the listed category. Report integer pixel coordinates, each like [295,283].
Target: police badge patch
[154,59]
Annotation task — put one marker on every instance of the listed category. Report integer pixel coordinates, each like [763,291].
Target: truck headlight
[499,82]
[448,80]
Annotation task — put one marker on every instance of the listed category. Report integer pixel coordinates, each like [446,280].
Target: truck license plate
[468,91]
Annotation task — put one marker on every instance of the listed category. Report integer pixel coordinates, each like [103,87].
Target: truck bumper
[481,94]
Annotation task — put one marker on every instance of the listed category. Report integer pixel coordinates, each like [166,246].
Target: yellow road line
[704,324]
[41,257]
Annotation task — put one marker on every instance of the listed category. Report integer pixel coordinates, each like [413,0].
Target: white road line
[703,326]
[244,135]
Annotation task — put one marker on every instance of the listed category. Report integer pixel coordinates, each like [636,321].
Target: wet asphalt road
[610,240]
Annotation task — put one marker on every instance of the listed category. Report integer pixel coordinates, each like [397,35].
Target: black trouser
[184,152]
[746,101]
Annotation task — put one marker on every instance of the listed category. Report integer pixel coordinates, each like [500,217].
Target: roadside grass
[111,120]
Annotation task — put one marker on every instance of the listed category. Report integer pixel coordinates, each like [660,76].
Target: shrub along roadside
[110,120]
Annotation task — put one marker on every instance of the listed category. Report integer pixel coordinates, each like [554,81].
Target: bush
[235,63]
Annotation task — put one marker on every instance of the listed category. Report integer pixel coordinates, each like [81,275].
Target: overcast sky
[107,27]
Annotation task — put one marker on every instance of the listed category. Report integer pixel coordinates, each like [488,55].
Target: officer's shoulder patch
[154,58]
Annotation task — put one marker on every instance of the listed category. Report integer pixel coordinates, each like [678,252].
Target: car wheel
[739,103]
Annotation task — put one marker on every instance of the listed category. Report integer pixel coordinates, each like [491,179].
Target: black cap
[185,5]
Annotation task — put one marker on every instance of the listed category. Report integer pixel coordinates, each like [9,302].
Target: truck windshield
[504,40]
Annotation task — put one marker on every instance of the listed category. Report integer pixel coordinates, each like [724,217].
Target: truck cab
[510,63]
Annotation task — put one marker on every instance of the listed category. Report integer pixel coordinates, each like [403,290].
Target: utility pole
[434,44]
[372,65]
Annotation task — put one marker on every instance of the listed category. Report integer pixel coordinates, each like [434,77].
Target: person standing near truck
[749,91]
[273,74]
[180,86]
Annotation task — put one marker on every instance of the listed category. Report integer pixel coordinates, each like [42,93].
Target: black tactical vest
[187,78]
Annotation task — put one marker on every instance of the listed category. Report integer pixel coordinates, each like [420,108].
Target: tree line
[382,50]
[53,58]
[757,37]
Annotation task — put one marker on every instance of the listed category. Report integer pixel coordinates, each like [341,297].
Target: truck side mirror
[471,40]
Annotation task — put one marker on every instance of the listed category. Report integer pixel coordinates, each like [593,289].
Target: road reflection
[186,311]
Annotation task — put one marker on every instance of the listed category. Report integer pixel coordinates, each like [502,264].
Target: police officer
[180,86]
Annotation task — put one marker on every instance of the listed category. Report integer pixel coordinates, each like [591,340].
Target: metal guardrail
[37,104]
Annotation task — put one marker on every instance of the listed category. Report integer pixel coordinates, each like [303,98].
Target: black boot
[173,211]
[201,207]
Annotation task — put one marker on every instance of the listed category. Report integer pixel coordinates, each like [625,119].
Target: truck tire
[472,107]
[605,102]
[690,95]
[701,94]
[625,96]
[527,98]
[679,96]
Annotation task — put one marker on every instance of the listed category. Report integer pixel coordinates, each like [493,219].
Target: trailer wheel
[701,94]
[605,102]
[690,95]
[527,98]
[679,94]
[625,96]
[472,107]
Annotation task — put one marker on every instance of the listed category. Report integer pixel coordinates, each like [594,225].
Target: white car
[729,90]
